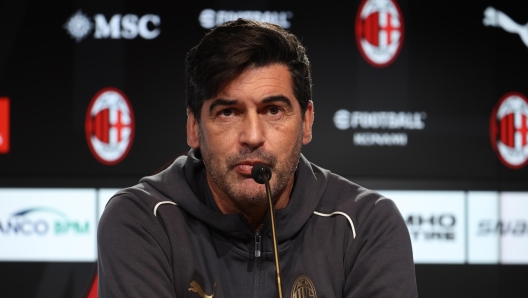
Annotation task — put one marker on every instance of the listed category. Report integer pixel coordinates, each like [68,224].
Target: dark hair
[229,49]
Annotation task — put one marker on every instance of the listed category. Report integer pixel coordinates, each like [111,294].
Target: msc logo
[127,26]
[109,126]
[509,130]
[379,31]
[41,221]
[431,227]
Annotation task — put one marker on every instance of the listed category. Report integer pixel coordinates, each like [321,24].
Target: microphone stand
[273,232]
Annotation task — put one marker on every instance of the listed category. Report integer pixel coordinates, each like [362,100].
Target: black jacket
[164,238]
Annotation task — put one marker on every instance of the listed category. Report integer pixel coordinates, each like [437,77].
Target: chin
[249,196]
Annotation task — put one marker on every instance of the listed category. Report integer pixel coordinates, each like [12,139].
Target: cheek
[285,137]
[220,139]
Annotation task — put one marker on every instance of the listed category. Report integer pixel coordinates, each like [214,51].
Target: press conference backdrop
[424,102]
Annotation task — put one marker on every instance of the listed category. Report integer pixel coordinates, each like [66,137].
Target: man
[201,227]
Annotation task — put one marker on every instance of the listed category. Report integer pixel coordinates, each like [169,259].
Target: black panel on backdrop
[424,115]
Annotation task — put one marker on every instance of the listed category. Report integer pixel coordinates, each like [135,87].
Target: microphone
[261,173]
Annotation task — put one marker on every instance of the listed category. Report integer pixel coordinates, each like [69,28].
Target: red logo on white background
[109,126]
[379,31]
[509,130]
[4,125]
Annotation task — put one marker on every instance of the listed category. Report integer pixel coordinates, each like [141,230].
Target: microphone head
[260,172]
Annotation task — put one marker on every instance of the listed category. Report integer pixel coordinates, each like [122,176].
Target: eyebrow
[229,102]
[221,102]
[280,98]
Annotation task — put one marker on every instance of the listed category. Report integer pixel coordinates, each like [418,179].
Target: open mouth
[245,167]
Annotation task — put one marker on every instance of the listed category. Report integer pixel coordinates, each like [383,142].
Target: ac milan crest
[379,31]
[509,130]
[4,125]
[109,126]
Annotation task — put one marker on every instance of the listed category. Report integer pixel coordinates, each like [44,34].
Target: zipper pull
[257,244]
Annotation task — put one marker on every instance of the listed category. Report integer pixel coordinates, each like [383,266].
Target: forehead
[274,79]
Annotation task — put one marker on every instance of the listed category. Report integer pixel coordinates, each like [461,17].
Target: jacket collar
[181,183]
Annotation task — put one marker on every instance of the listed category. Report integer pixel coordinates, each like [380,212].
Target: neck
[254,213]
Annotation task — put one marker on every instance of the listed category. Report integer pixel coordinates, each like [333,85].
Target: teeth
[246,167]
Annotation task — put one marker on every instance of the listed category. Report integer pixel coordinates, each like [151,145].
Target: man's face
[253,119]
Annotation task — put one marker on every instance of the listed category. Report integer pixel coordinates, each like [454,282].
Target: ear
[192,130]
[308,123]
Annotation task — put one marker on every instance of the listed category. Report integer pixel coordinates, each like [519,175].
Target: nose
[252,131]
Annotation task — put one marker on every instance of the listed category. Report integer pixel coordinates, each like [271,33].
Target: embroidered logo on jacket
[195,287]
[303,288]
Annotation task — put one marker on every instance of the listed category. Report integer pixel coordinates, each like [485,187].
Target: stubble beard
[223,174]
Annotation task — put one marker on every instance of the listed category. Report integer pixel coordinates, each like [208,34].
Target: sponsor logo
[52,225]
[509,130]
[514,227]
[497,18]
[303,288]
[109,126]
[432,227]
[344,119]
[41,221]
[195,287]
[210,18]
[482,218]
[78,26]
[379,31]
[128,26]
[380,139]
[4,125]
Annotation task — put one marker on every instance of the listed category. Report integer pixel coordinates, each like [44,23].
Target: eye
[274,110]
[227,112]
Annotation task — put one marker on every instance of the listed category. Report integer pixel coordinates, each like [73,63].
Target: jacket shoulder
[359,203]
[343,193]
[130,238]
[138,198]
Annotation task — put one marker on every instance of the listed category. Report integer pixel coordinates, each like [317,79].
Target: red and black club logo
[4,125]
[509,130]
[379,31]
[109,126]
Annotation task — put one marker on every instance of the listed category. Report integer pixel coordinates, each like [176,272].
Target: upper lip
[251,162]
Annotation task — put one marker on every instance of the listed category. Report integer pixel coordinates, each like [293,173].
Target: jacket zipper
[258,252]
[257,244]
